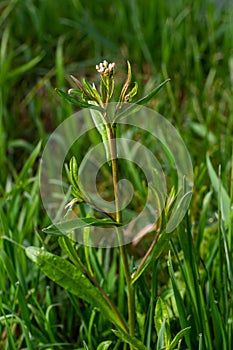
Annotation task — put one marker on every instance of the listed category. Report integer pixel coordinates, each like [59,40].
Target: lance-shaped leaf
[101,125]
[72,279]
[105,88]
[148,97]
[92,92]
[79,103]
[85,94]
[67,226]
[73,172]
[157,250]
[137,105]
[161,320]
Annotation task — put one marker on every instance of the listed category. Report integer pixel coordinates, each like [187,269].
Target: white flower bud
[105,68]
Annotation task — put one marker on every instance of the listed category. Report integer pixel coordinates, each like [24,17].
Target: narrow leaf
[70,225]
[178,211]
[148,97]
[73,172]
[25,67]
[225,199]
[161,316]
[100,125]
[137,105]
[30,161]
[179,302]
[160,342]
[92,92]
[7,263]
[73,100]
[157,250]
[178,337]
[104,345]
[79,93]
[137,344]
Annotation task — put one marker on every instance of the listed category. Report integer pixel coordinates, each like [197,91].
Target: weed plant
[187,286]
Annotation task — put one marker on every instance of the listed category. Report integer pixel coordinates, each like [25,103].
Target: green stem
[123,252]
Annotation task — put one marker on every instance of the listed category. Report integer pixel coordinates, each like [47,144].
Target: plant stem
[94,281]
[147,254]
[123,252]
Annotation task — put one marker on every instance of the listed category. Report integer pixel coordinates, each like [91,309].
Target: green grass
[41,44]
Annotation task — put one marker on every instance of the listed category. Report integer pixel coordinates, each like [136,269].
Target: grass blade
[225,199]
[179,301]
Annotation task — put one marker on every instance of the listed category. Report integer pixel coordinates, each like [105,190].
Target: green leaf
[161,316]
[104,345]
[204,132]
[25,67]
[100,125]
[30,161]
[77,195]
[137,105]
[157,250]
[178,299]
[85,346]
[79,103]
[68,247]
[132,93]
[72,279]
[73,172]
[178,337]
[92,92]
[178,211]
[160,342]
[79,93]
[63,227]
[137,344]
[85,93]
[148,97]
[15,280]
[224,197]
[218,321]
[104,87]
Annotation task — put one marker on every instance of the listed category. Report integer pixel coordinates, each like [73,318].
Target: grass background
[42,42]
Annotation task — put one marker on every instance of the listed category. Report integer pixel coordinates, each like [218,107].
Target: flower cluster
[105,68]
[87,95]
